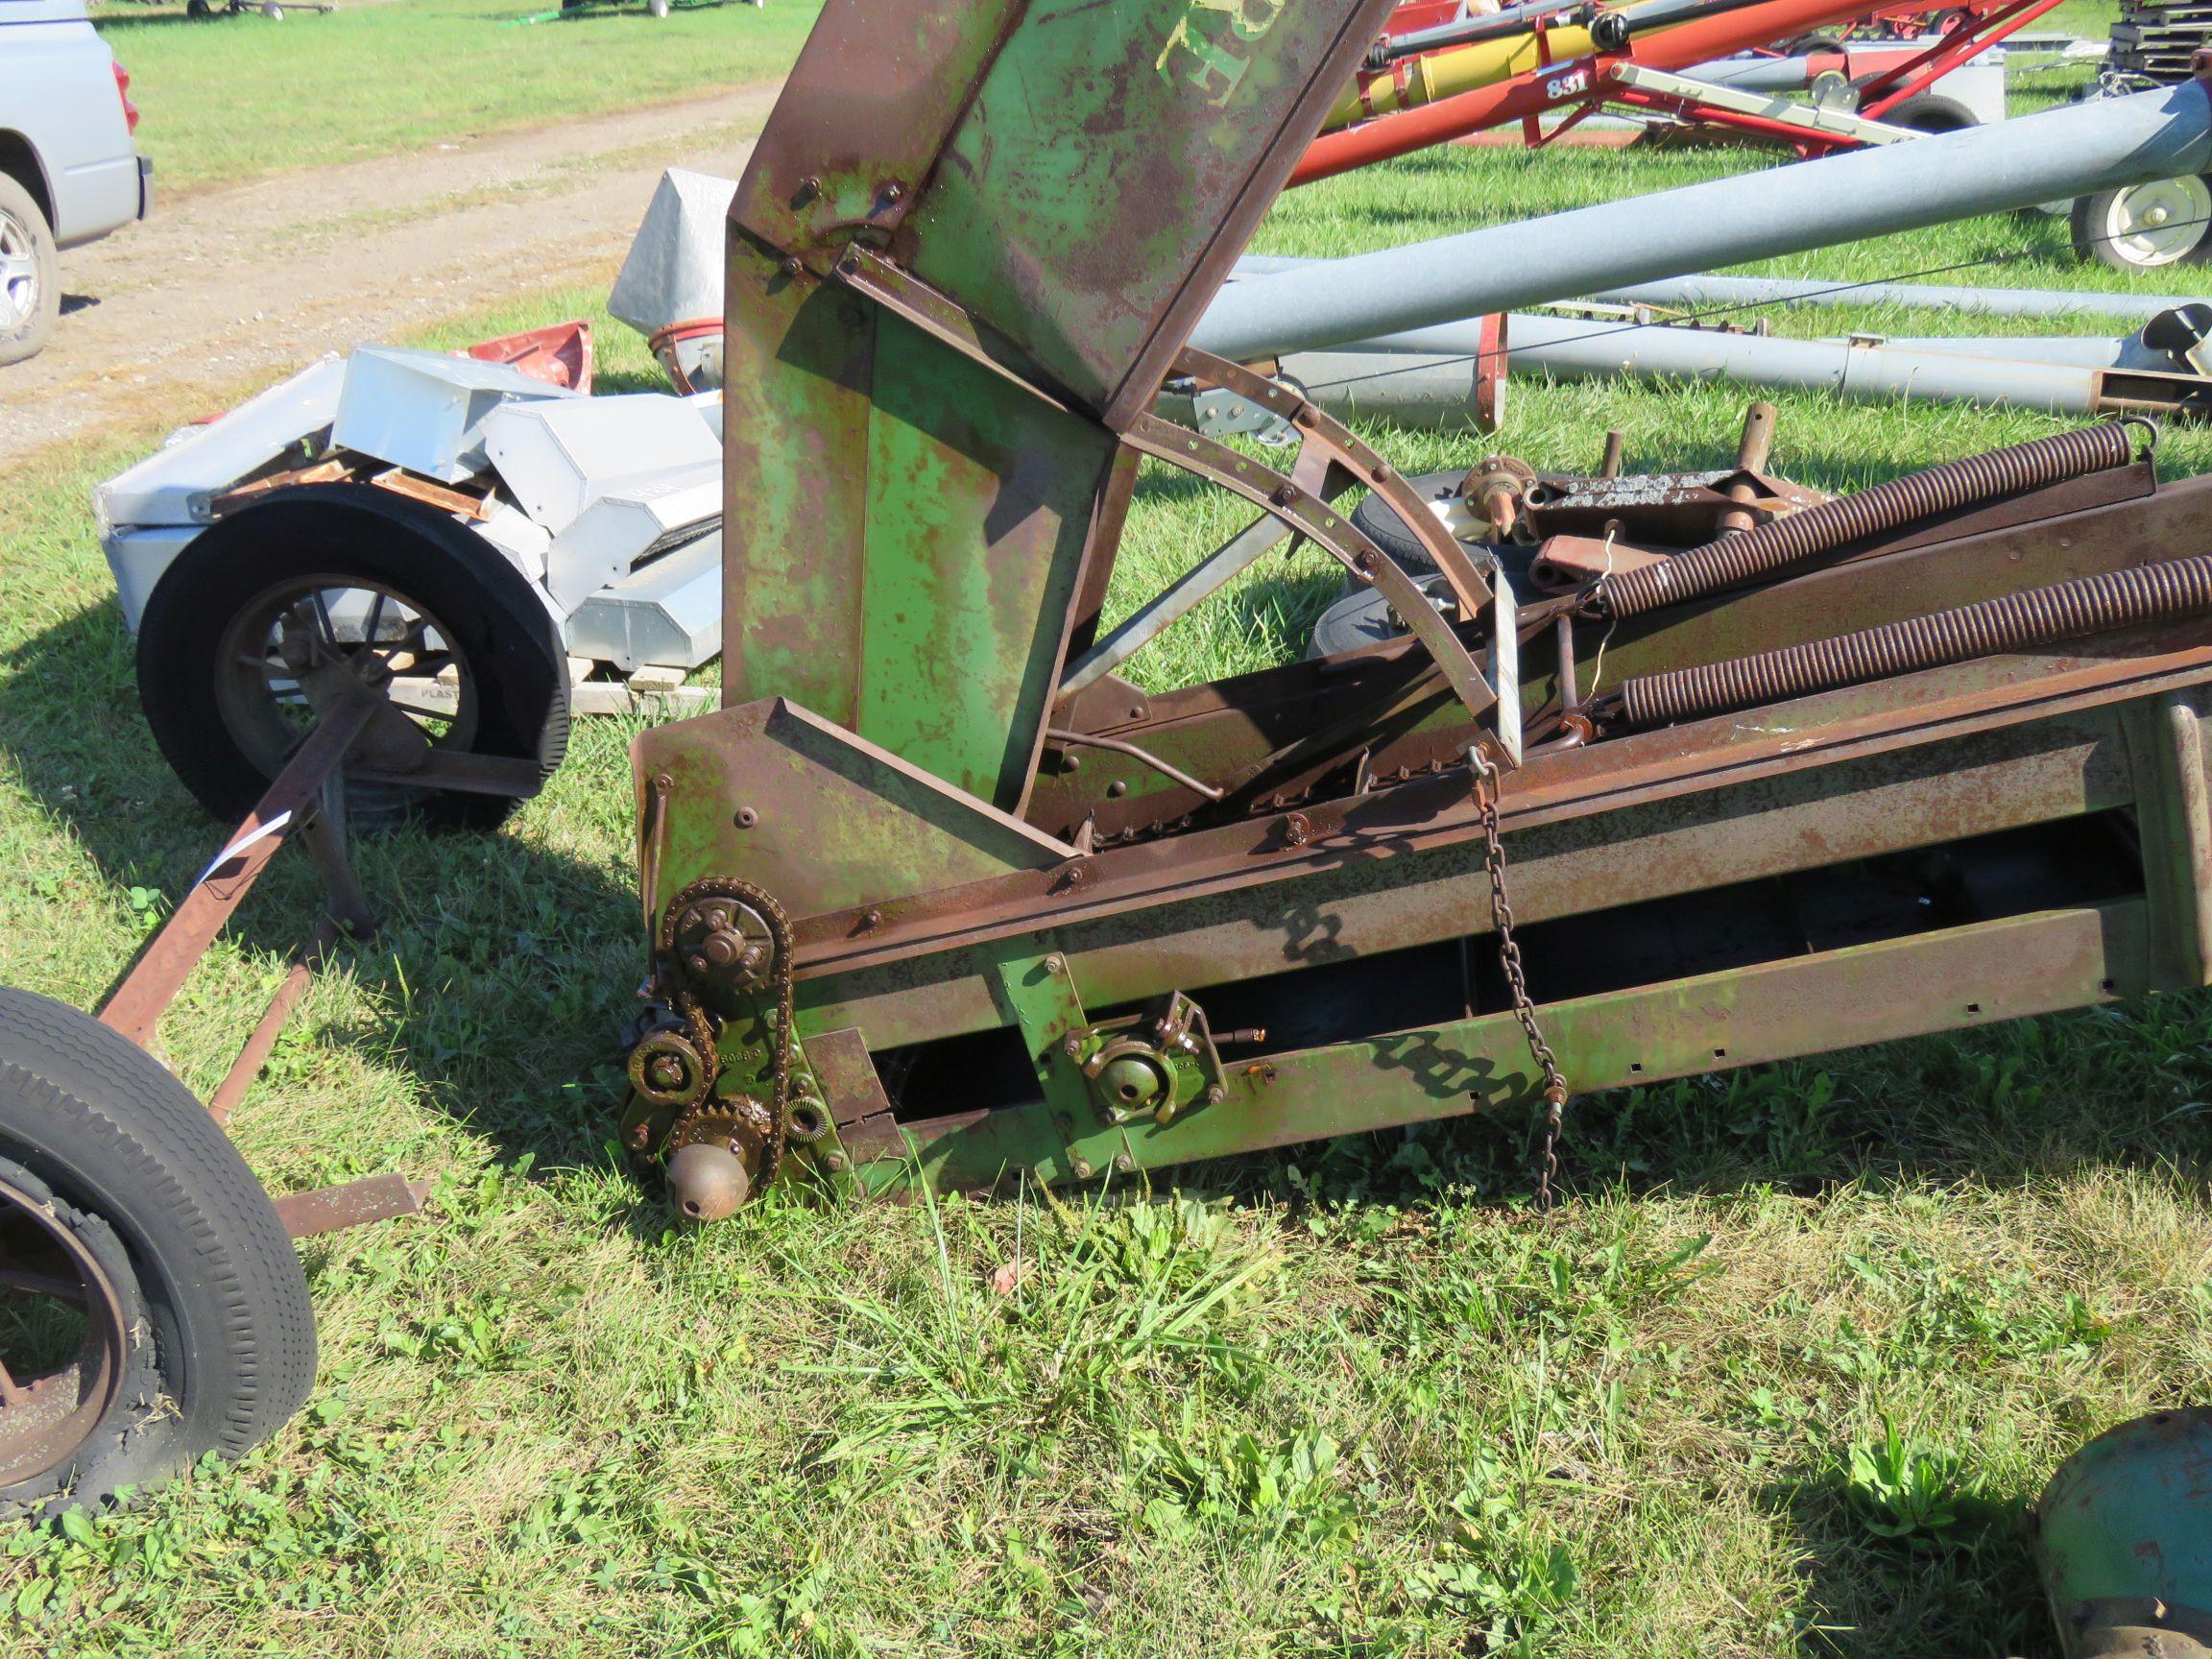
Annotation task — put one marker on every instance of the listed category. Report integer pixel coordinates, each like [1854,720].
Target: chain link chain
[783,941]
[1517,979]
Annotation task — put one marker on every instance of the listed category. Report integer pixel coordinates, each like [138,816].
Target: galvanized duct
[1783,542]
[2135,597]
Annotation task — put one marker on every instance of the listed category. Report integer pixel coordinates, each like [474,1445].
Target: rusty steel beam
[353,1204]
[135,1006]
[2006,970]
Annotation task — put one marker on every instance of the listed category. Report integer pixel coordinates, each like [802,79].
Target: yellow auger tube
[1412,81]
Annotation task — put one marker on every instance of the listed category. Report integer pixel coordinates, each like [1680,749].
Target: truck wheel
[2167,222]
[152,1308]
[347,579]
[30,275]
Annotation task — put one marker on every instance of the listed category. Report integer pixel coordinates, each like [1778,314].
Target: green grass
[1777,1380]
[228,99]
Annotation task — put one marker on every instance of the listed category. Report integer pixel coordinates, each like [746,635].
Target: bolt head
[1081,1169]
[1072,1048]
[1214,1096]
[1055,962]
[836,1163]
[1124,1163]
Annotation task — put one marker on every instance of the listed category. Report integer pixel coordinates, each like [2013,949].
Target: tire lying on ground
[151,1308]
[315,570]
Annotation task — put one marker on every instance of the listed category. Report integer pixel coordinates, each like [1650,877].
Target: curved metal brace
[1317,429]
[1309,514]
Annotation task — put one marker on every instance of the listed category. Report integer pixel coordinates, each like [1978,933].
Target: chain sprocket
[697,1121]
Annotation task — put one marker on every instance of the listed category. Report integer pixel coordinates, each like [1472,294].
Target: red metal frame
[1583,85]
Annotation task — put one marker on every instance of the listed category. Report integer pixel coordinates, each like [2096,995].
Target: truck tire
[30,275]
[120,1197]
[252,571]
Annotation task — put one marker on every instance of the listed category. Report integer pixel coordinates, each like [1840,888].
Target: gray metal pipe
[1704,291]
[2082,351]
[1693,293]
[2071,151]
[1423,377]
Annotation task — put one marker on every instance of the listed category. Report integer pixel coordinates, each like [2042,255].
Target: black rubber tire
[28,338]
[1932,112]
[225,1352]
[522,671]
[1383,527]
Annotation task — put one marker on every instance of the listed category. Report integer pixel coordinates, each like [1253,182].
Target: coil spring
[2134,597]
[1784,540]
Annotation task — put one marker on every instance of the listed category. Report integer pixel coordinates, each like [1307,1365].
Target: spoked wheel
[284,654]
[329,594]
[2144,227]
[152,1308]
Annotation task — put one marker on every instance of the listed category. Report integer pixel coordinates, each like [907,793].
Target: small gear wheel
[740,1123]
[667,1069]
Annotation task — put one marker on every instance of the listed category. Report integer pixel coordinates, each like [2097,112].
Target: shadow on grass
[501,972]
[1968,1589]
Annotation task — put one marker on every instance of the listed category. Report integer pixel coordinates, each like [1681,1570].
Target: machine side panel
[866,109]
[796,424]
[815,814]
[1116,156]
[980,497]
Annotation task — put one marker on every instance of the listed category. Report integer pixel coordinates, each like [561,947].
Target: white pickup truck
[70,171]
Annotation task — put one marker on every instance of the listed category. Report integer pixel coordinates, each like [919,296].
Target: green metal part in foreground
[1057,936]
[905,527]
[2123,1540]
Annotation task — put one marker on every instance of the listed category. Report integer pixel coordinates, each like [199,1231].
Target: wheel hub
[19,273]
[2159,223]
[62,1338]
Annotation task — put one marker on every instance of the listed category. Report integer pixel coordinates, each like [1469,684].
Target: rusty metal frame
[305,801]
[945,356]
